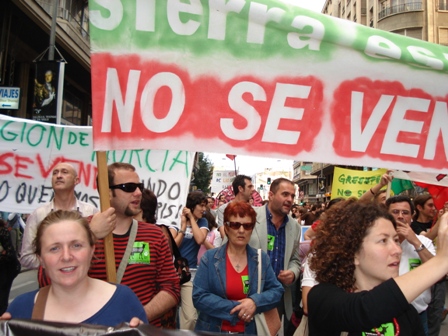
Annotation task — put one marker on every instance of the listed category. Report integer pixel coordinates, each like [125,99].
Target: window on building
[443,36]
[72,108]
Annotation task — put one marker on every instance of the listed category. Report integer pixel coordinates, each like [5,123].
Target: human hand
[5,317]
[186,212]
[246,309]
[442,236]
[135,322]
[286,277]
[404,230]
[103,223]
[386,178]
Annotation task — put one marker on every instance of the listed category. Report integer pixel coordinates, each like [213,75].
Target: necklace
[396,325]
[236,263]
[237,267]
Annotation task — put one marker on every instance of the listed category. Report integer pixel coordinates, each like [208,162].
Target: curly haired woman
[356,256]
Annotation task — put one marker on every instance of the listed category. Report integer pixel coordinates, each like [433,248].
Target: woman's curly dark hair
[340,237]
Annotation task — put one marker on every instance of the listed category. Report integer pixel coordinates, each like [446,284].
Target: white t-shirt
[309,277]
[409,260]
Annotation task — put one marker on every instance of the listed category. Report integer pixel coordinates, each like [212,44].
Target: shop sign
[9,98]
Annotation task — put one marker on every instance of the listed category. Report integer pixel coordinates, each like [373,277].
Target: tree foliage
[203,173]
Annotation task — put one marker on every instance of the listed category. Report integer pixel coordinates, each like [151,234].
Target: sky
[250,165]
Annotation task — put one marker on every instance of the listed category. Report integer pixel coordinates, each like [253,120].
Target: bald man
[64,179]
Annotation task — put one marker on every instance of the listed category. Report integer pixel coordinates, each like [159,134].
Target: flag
[399,185]
[231,157]
[439,194]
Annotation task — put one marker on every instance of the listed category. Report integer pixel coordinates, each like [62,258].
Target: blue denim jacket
[209,290]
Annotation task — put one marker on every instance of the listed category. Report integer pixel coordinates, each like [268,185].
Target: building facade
[25,27]
[425,20]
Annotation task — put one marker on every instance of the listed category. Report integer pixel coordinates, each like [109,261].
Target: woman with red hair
[225,289]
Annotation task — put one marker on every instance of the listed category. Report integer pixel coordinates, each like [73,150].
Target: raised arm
[369,194]
[413,283]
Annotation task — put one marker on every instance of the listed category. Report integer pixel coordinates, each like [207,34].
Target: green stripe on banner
[247,30]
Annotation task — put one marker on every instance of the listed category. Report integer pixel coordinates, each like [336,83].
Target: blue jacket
[209,290]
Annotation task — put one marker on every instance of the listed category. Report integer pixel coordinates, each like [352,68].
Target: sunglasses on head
[128,187]
[237,225]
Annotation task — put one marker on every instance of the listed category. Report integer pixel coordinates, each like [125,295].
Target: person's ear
[356,259]
[41,261]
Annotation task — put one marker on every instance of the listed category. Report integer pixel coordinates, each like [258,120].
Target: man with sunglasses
[149,269]
[278,234]
[416,249]
[64,180]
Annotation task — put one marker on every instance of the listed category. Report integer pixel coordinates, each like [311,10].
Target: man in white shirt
[63,181]
[417,249]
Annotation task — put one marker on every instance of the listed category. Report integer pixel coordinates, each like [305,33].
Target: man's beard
[130,213]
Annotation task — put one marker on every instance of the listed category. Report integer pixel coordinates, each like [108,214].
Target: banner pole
[103,190]
[389,186]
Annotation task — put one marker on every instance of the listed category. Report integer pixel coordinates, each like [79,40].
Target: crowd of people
[365,266]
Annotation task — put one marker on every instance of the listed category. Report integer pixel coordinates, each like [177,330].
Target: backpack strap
[39,305]
[127,253]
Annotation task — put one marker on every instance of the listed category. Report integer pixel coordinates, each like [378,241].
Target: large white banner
[30,150]
[267,79]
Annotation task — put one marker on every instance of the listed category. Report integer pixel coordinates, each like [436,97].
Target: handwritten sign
[30,150]
[265,78]
[354,183]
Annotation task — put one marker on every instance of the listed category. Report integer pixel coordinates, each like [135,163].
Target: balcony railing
[407,7]
[64,13]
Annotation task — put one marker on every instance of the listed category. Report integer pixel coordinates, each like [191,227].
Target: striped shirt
[146,273]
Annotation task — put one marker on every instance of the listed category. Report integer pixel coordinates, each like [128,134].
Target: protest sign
[354,183]
[265,78]
[30,150]
[221,180]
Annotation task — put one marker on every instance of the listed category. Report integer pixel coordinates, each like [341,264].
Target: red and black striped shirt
[146,273]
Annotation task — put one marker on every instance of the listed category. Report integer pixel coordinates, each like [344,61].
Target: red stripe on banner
[400,122]
[375,119]
[206,104]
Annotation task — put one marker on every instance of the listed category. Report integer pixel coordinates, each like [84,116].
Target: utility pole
[53,31]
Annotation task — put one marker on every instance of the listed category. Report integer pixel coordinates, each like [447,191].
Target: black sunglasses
[237,225]
[128,187]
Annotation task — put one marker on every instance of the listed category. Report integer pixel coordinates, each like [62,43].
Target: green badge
[413,263]
[245,280]
[386,329]
[140,254]
[271,241]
